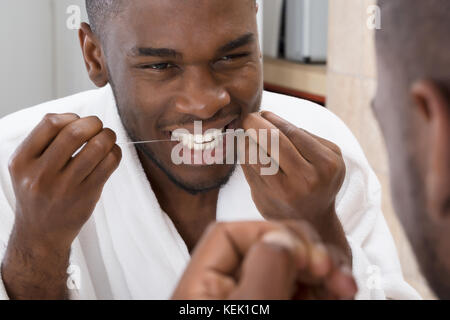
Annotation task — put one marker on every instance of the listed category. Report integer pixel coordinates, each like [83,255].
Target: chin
[200,179]
[192,178]
[431,246]
[435,266]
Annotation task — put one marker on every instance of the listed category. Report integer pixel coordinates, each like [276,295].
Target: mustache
[188,119]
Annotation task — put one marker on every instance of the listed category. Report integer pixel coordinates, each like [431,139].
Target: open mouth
[209,140]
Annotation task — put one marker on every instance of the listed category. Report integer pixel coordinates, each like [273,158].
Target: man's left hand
[311,172]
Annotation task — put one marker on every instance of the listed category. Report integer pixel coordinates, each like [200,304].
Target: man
[162,67]
[413,108]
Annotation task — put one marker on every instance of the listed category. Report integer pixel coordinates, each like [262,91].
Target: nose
[202,95]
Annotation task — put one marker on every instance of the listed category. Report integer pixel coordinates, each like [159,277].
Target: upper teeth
[207,141]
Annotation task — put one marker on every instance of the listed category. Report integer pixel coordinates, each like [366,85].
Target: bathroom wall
[26,54]
[351,84]
[70,72]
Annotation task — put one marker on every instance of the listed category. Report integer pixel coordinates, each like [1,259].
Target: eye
[158,66]
[234,57]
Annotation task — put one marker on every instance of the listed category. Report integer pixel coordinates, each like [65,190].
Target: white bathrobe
[130,249]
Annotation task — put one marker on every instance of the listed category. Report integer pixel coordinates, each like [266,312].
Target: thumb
[269,269]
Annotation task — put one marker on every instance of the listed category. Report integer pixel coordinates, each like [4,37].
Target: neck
[190,213]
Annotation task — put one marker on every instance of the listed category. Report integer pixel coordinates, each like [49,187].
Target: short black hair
[413,42]
[100,11]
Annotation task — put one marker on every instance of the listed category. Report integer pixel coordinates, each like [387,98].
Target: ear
[434,108]
[93,56]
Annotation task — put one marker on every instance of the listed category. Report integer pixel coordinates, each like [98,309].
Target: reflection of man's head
[173,62]
[413,45]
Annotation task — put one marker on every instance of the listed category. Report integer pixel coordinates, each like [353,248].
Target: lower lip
[207,157]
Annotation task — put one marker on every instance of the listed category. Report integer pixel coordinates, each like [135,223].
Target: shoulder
[16,126]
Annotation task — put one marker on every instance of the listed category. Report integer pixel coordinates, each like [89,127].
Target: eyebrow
[156,52]
[237,43]
[171,53]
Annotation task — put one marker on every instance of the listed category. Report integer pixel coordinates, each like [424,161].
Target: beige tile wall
[351,84]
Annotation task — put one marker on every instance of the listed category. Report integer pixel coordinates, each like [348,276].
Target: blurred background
[320,50]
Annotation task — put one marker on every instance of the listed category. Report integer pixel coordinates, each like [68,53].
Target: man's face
[174,62]
[395,125]
[407,149]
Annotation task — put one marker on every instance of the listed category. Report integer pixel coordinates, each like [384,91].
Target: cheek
[140,108]
[247,86]
[145,101]
[384,120]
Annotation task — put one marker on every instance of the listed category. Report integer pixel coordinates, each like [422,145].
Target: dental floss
[238,131]
[143,142]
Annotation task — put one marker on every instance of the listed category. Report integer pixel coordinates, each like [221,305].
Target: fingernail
[320,260]
[346,270]
[286,240]
[280,238]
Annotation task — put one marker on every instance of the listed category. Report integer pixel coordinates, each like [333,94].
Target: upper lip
[206,124]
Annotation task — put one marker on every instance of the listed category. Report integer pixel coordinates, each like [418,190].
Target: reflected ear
[93,56]
[434,107]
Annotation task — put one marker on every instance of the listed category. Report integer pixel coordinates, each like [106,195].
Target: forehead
[184,24]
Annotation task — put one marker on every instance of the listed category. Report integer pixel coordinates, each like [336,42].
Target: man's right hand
[266,260]
[56,193]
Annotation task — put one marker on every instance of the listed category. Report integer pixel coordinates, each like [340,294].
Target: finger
[312,149]
[309,292]
[340,282]
[247,151]
[262,145]
[69,140]
[253,170]
[289,158]
[332,146]
[212,286]
[317,263]
[224,244]
[220,252]
[338,257]
[105,169]
[91,155]
[223,247]
[43,134]
[337,284]
[252,175]
[268,273]
[325,267]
